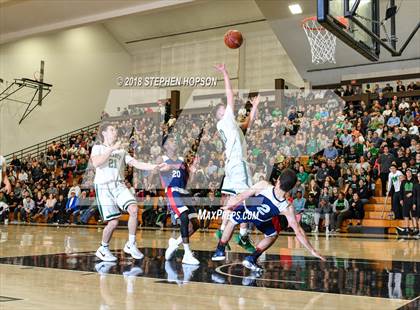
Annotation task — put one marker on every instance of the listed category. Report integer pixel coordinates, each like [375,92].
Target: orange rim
[305,20]
[341,19]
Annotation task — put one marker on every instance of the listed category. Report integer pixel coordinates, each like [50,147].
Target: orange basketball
[233,39]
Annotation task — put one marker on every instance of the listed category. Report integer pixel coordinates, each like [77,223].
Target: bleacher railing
[36,149]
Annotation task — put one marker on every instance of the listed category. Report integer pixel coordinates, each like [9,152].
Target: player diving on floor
[261,205]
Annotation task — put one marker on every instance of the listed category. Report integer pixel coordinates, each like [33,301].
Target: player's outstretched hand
[316,254]
[220,67]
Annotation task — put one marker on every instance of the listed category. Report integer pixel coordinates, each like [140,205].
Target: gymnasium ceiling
[129,20]
[21,18]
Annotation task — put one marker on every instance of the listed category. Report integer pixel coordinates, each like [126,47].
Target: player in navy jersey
[263,204]
[174,179]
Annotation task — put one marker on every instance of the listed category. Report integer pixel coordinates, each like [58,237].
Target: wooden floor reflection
[377,273]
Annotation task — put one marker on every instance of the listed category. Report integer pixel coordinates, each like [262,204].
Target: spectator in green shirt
[302,175]
[277,112]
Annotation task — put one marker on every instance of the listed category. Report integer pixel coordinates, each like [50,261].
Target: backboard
[362,19]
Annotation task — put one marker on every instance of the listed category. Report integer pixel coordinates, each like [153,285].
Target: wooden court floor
[45,267]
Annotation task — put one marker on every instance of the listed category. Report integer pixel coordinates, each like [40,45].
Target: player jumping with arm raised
[112,195]
[237,173]
[264,203]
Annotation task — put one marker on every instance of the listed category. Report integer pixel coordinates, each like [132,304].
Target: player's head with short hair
[170,145]
[107,132]
[219,111]
[287,179]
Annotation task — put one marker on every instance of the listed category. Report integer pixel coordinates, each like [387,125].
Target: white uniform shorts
[112,198]
[237,178]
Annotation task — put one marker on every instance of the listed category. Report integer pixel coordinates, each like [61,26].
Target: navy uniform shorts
[268,224]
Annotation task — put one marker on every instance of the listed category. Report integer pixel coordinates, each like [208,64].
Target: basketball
[233,39]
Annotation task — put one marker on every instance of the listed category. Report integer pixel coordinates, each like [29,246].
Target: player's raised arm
[255,101]
[254,190]
[300,233]
[228,86]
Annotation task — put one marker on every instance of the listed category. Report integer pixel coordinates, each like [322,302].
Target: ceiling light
[295,9]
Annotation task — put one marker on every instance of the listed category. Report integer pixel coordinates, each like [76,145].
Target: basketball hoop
[322,41]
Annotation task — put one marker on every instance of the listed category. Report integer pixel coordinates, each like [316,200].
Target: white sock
[187,248]
[132,239]
[179,240]
[222,227]
[243,231]
[104,244]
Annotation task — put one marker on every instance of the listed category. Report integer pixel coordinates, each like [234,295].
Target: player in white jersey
[3,176]
[237,173]
[112,195]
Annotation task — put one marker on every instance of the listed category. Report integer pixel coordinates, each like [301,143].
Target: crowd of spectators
[338,149]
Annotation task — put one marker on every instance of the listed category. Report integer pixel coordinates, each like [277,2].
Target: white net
[322,42]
